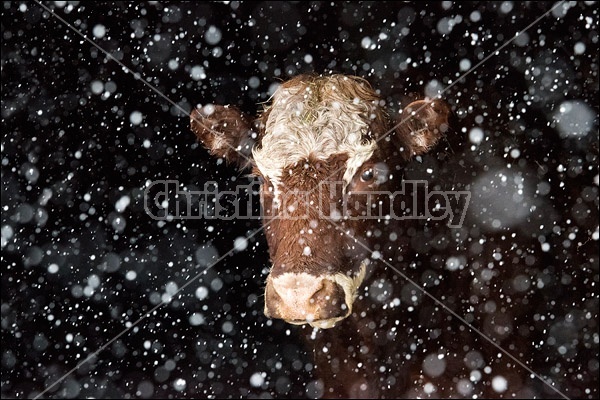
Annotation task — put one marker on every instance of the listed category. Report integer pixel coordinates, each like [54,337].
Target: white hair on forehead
[299,126]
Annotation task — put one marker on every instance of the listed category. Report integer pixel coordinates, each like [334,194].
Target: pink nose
[301,298]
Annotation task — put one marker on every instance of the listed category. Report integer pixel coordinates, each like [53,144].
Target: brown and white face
[315,143]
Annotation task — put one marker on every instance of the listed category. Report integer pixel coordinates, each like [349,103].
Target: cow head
[321,138]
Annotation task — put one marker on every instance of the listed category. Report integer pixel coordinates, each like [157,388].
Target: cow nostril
[319,295]
[330,300]
[316,297]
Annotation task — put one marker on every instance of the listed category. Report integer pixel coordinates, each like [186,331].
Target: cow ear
[225,131]
[423,123]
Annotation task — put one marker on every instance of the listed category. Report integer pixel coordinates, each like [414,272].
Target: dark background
[78,268]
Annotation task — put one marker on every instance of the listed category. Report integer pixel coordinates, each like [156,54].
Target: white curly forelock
[298,128]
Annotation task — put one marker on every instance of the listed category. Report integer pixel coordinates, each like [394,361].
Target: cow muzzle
[320,301]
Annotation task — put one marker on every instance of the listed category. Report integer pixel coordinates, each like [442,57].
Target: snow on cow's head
[316,128]
[318,117]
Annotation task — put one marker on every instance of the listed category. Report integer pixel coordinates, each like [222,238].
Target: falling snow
[83,261]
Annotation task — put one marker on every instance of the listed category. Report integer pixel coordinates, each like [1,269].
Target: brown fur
[287,237]
[421,125]
[225,131]
[350,356]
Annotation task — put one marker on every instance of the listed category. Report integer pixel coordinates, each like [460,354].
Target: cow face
[321,139]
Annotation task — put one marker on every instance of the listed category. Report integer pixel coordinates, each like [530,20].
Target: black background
[60,137]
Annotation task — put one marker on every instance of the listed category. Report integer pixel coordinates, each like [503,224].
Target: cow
[317,129]
[335,130]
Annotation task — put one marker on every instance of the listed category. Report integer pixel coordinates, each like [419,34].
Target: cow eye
[367,176]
